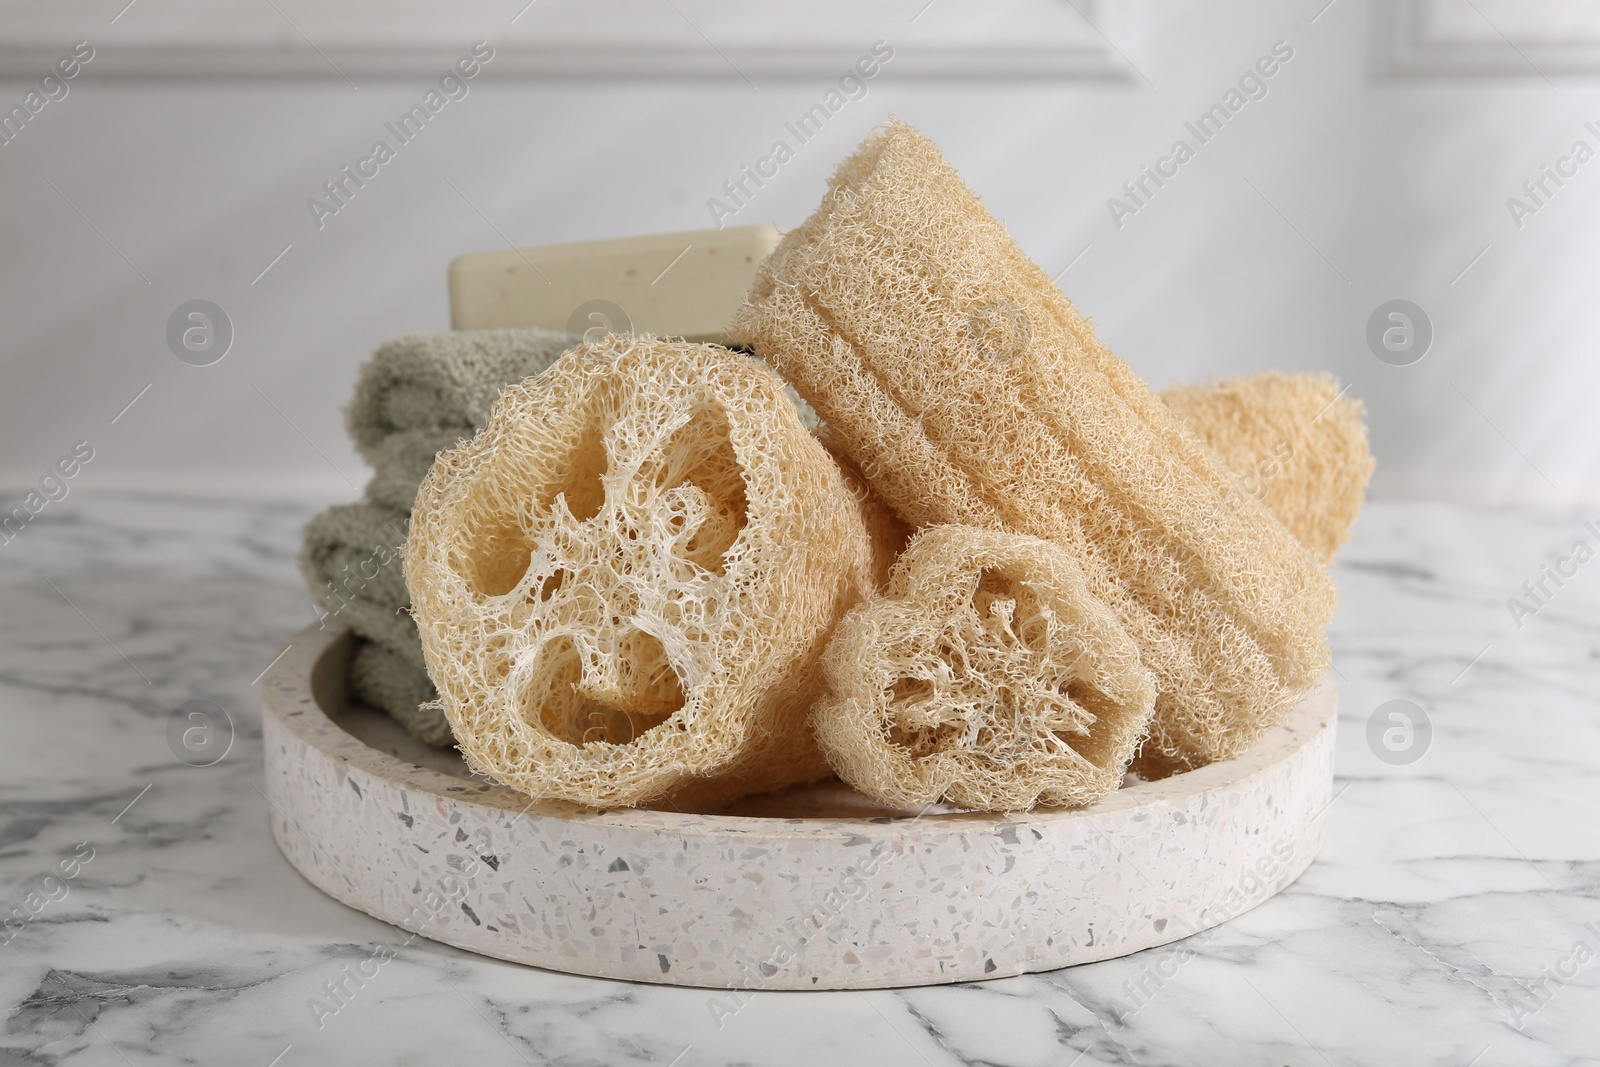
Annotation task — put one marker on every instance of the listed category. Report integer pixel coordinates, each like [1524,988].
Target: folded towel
[443,381]
[351,559]
[415,396]
[385,680]
[401,460]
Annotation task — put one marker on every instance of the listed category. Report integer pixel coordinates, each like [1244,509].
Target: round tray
[810,888]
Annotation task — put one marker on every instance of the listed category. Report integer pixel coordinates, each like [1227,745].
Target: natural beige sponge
[624,581]
[969,391]
[1295,441]
[988,676]
[888,535]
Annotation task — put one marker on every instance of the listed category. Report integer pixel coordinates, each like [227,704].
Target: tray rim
[307,673]
[284,695]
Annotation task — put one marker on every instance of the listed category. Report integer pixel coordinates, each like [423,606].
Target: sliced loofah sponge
[623,583]
[969,390]
[1294,441]
[988,676]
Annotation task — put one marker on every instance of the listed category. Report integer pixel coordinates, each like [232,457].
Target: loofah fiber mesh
[887,534]
[988,676]
[969,391]
[623,583]
[1294,441]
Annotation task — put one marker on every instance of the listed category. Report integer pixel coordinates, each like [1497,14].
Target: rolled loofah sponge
[886,532]
[969,390]
[988,676]
[1295,441]
[623,583]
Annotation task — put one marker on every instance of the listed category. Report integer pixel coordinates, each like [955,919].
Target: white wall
[1398,181]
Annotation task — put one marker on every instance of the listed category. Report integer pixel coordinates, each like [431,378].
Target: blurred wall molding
[1486,38]
[373,40]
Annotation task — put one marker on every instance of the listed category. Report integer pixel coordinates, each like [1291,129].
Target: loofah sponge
[623,583]
[969,390]
[886,532]
[988,676]
[1294,441]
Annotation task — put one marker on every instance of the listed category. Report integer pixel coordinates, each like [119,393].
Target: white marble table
[1454,917]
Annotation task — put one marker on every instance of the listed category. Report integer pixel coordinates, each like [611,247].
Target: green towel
[385,680]
[351,560]
[401,460]
[415,396]
[441,381]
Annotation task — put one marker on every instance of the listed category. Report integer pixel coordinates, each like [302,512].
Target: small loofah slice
[988,676]
[1294,441]
[623,583]
[969,390]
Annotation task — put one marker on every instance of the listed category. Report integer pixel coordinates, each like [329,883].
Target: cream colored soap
[670,284]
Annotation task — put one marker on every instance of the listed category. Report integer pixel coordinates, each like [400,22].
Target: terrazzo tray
[811,888]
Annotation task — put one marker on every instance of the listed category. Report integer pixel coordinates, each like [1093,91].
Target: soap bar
[684,285]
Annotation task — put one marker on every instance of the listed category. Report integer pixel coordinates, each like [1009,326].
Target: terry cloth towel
[385,680]
[401,460]
[440,381]
[351,560]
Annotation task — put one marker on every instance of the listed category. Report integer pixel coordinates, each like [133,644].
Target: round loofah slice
[1295,441]
[969,390]
[988,676]
[624,581]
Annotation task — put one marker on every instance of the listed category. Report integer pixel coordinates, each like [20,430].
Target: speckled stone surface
[762,901]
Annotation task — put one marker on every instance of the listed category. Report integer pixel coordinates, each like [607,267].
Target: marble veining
[1453,916]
